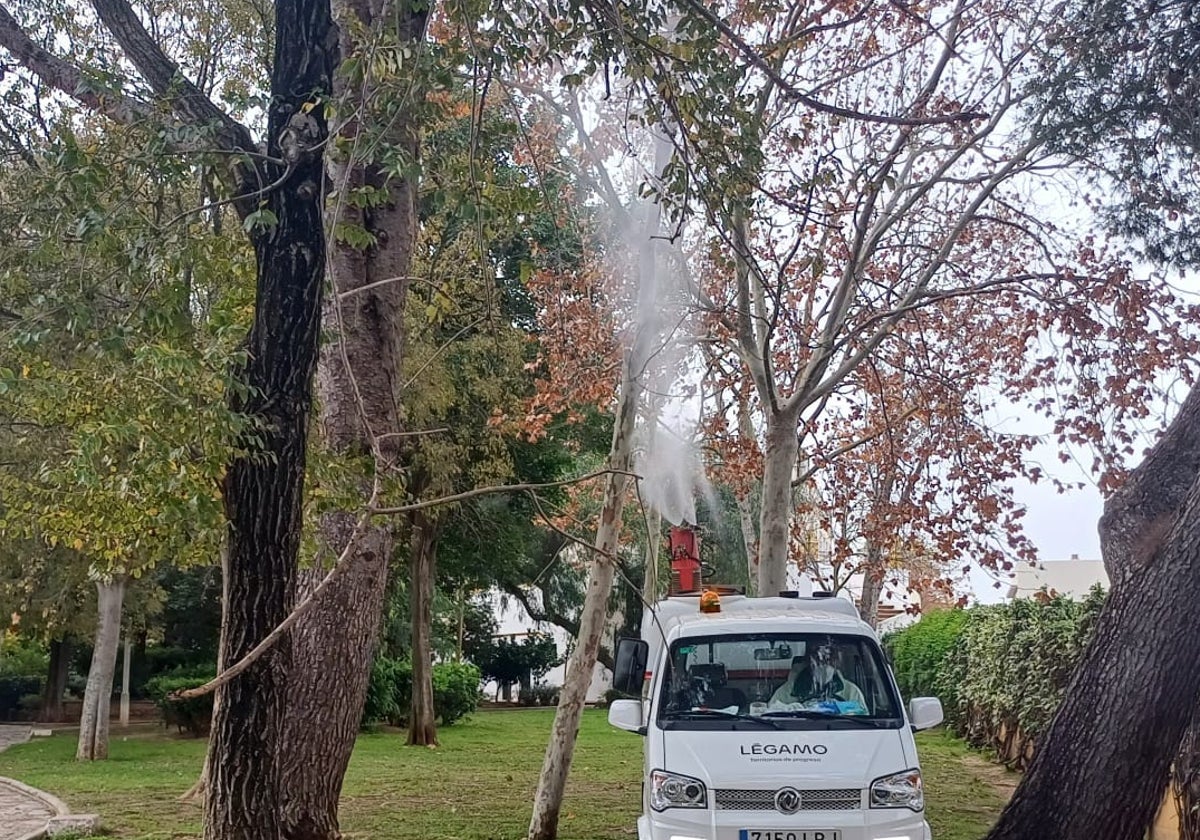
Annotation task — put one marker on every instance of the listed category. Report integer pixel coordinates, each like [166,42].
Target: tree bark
[358,381]
[422,727]
[331,652]
[1102,767]
[56,681]
[263,489]
[651,587]
[872,587]
[97,697]
[775,522]
[749,542]
[557,764]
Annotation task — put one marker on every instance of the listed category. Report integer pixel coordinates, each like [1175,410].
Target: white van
[770,719]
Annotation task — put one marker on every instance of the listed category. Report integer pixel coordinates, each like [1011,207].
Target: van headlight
[671,790]
[900,790]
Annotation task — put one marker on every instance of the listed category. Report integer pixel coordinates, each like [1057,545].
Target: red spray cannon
[685,559]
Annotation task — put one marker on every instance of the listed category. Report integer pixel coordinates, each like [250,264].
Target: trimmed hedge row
[999,670]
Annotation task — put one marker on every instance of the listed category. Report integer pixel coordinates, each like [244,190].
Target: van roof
[675,617]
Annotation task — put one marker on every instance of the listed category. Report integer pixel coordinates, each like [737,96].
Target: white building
[1073,578]
[513,620]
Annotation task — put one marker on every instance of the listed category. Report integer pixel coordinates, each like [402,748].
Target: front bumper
[879,824]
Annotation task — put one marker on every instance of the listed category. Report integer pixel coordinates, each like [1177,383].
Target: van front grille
[839,799]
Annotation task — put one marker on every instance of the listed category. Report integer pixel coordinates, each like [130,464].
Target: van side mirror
[627,715]
[925,712]
[629,668]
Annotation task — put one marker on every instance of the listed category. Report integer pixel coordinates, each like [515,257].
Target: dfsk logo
[784,749]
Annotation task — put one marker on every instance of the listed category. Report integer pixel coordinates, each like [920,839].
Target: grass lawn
[476,786]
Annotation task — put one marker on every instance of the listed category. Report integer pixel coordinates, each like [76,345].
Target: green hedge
[192,716]
[917,651]
[1003,679]
[999,670]
[389,693]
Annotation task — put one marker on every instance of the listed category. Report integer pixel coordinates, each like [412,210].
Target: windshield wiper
[679,714]
[813,714]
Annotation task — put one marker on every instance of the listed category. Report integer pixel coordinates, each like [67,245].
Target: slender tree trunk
[551,784]
[263,489]
[650,588]
[56,681]
[749,542]
[422,728]
[872,586]
[745,511]
[97,697]
[779,463]
[1102,767]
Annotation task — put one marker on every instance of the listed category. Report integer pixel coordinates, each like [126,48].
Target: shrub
[455,690]
[13,690]
[539,695]
[389,692]
[20,657]
[194,715]
[917,651]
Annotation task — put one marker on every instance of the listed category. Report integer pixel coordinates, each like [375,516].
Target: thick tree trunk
[775,523]
[97,697]
[263,490]
[358,382]
[548,800]
[331,654]
[56,681]
[1102,767]
[422,728]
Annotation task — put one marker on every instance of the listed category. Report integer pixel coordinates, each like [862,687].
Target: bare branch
[790,91]
[66,77]
[165,78]
[499,488]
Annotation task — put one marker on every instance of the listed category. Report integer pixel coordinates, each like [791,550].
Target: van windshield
[791,680]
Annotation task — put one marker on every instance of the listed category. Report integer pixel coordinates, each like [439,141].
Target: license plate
[790,834]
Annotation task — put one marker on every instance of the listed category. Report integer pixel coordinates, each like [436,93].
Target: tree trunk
[331,653]
[97,697]
[551,784]
[358,381]
[745,511]
[779,463]
[422,729]
[651,587]
[1102,767]
[872,586]
[56,681]
[749,541]
[263,489]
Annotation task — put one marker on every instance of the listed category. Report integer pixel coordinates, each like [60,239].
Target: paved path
[20,813]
